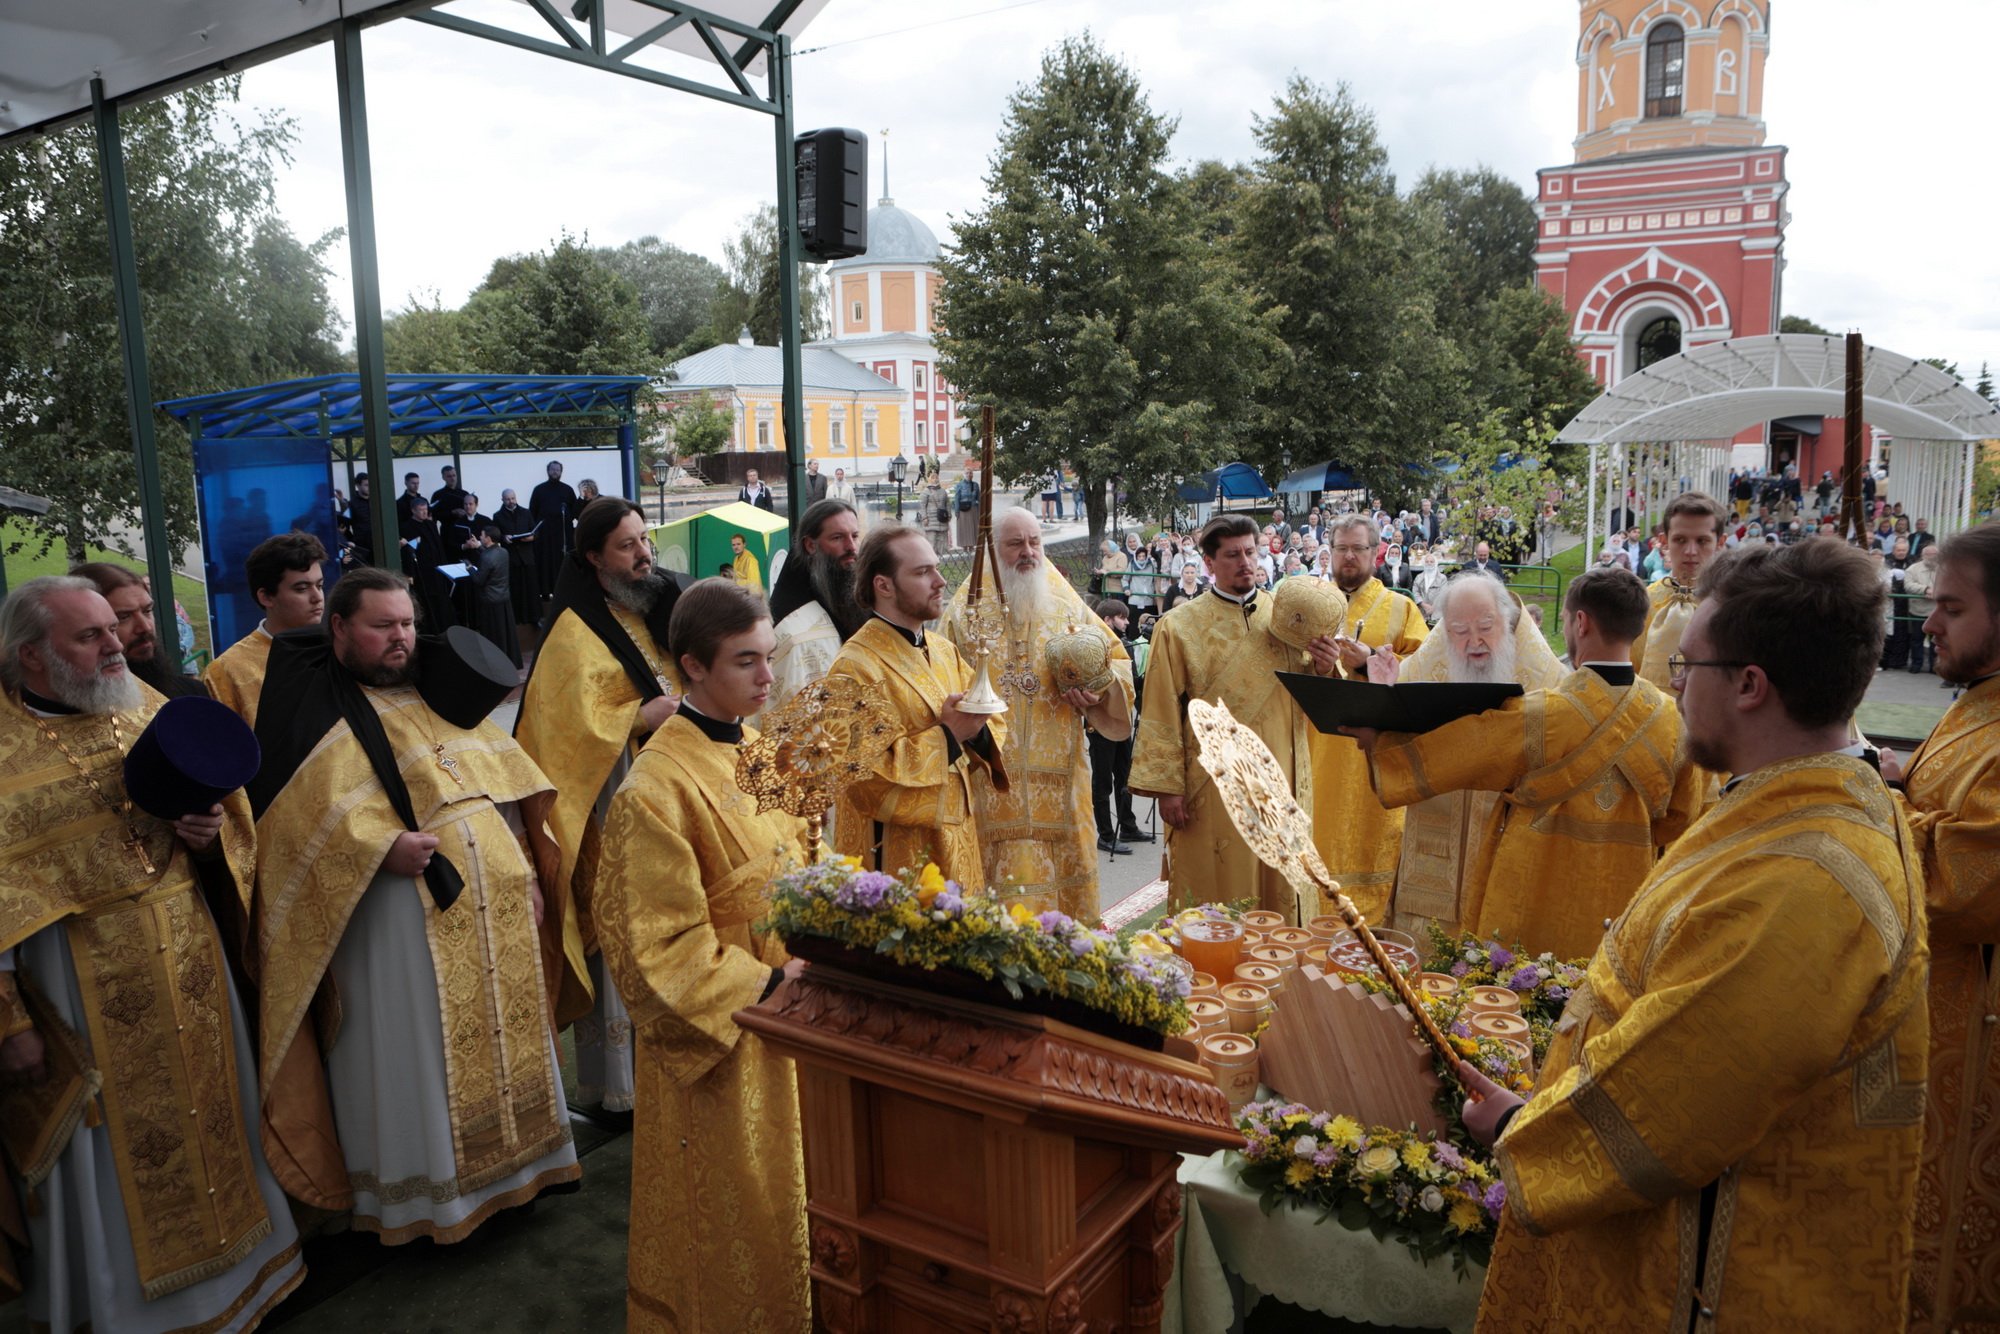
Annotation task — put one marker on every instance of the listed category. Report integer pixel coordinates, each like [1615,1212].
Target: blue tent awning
[329,406]
[1327,476]
[1232,481]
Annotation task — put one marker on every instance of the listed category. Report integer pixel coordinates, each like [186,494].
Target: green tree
[1082,302]
[1522,361]
[1489,229]
[1799,324]
[1350,272]
[748,293]
[229,298]
[426,338]
[1984,385]
[1509,463]
[559,312]
[676,288]
[698,426]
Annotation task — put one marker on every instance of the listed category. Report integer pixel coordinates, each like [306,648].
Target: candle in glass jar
[1213,945]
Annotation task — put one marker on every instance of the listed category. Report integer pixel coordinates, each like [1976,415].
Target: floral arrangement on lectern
[922,920]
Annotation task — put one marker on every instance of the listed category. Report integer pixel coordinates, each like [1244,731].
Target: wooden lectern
[972,1167]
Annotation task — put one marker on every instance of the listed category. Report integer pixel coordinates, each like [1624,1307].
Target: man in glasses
[1725,1130]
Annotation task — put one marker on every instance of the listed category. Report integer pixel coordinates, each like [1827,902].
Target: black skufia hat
[194,753]
[464,676]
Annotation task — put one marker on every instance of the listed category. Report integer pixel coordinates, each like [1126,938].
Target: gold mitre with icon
[825,738]
[1303,608]
[1078,659]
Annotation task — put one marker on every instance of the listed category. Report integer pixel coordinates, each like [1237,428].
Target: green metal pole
[367,293]
[790,351]
[138,384]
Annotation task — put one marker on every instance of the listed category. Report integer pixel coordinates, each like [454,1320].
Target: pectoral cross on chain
[138,847]
[447,763]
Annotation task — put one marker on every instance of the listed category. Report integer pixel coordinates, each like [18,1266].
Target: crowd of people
[338,992]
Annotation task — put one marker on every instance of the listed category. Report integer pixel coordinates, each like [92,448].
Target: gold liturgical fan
[827,736]
[1261,806]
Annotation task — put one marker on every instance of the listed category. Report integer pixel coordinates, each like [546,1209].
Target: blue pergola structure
[79,60]
[264,457]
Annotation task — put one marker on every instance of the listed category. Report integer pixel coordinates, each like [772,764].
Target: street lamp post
[899,468]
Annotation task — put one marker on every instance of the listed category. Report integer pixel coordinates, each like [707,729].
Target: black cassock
[423,552]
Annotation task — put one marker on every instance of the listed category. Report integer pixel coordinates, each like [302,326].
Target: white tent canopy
[1667,427]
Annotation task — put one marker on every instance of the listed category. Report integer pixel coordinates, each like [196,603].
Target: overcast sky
[481,150]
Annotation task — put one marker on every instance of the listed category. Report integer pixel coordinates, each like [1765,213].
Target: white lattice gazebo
[1668,427]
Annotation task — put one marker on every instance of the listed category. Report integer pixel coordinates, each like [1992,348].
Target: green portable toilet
[699,544]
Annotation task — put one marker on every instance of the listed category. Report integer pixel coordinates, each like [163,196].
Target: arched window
[1666,69]
[1660,339]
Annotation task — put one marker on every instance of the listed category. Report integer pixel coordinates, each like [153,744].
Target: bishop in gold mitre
[287,577]
[408,1065]
[1951,794]
[1695,524]
[1725,1132]
[1359,841]
[129,1104]
[718,1236]
[600,685]
[1219,647]
[1040,832]
[1485,638]
[917,805]
[1589,773]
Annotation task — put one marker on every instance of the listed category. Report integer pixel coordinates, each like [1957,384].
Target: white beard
[1028,599]
[95,693]
[1497,669]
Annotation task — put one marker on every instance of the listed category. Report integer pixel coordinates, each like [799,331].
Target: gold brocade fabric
[1359,841]
[1040,833]
[154,982]
[578,717]
[322,843]
[1441,834]
[1672,606]
[918,797]
[1953,786]
[1592,784]
[1754,1023]
[718,1233]
[236,677]
[1207,649]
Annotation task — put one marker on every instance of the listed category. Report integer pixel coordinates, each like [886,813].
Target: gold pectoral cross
[138,847]
[447,763]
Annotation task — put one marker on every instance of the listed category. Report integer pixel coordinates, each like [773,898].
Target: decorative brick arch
[1680,11]
[1742,10]
[1658,270]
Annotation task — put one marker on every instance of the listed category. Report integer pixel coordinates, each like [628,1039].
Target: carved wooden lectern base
[969,1167]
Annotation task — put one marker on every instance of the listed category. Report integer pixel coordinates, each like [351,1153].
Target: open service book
[1418,706]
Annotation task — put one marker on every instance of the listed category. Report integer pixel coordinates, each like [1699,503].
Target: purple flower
[1080,945]
[1461,1029]
[1319,1120]
[866,890]
[1449,1156]
[1327,1156]
[1558,993]
[1500,955]
[1461,968]
[1525,978]
[1055,923]
[949,902]
[1496,1199]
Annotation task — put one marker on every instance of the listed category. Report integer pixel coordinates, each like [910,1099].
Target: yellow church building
[854,417]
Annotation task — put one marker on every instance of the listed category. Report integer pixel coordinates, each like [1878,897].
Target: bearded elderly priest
[1485,639]
[917,804]
[1591,777]
[601,684]
[396,912]
[1040,833]
[149,1204]
[1358,839]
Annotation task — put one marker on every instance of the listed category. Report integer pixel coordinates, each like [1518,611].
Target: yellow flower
[1378,1160]
[1298,1173]
[1344,1131]
[1416,1155]
[1019,912]
[1297,1119]
[850,863]
[930,884]
[1465,1216]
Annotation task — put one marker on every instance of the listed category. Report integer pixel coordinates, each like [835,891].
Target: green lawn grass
[27,564]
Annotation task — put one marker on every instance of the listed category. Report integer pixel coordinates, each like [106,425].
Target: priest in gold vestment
[601,683]
[1040,832]
[1591,777]
[1725,1133]
[917,806]
[1951,787]
[718,1234]
[1494,641]
[1219,647]
[128,1095]
[286,575]
[408,1065]
[1695,524]
[1358,839]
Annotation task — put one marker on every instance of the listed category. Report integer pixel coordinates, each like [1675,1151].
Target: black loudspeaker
[832,167]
